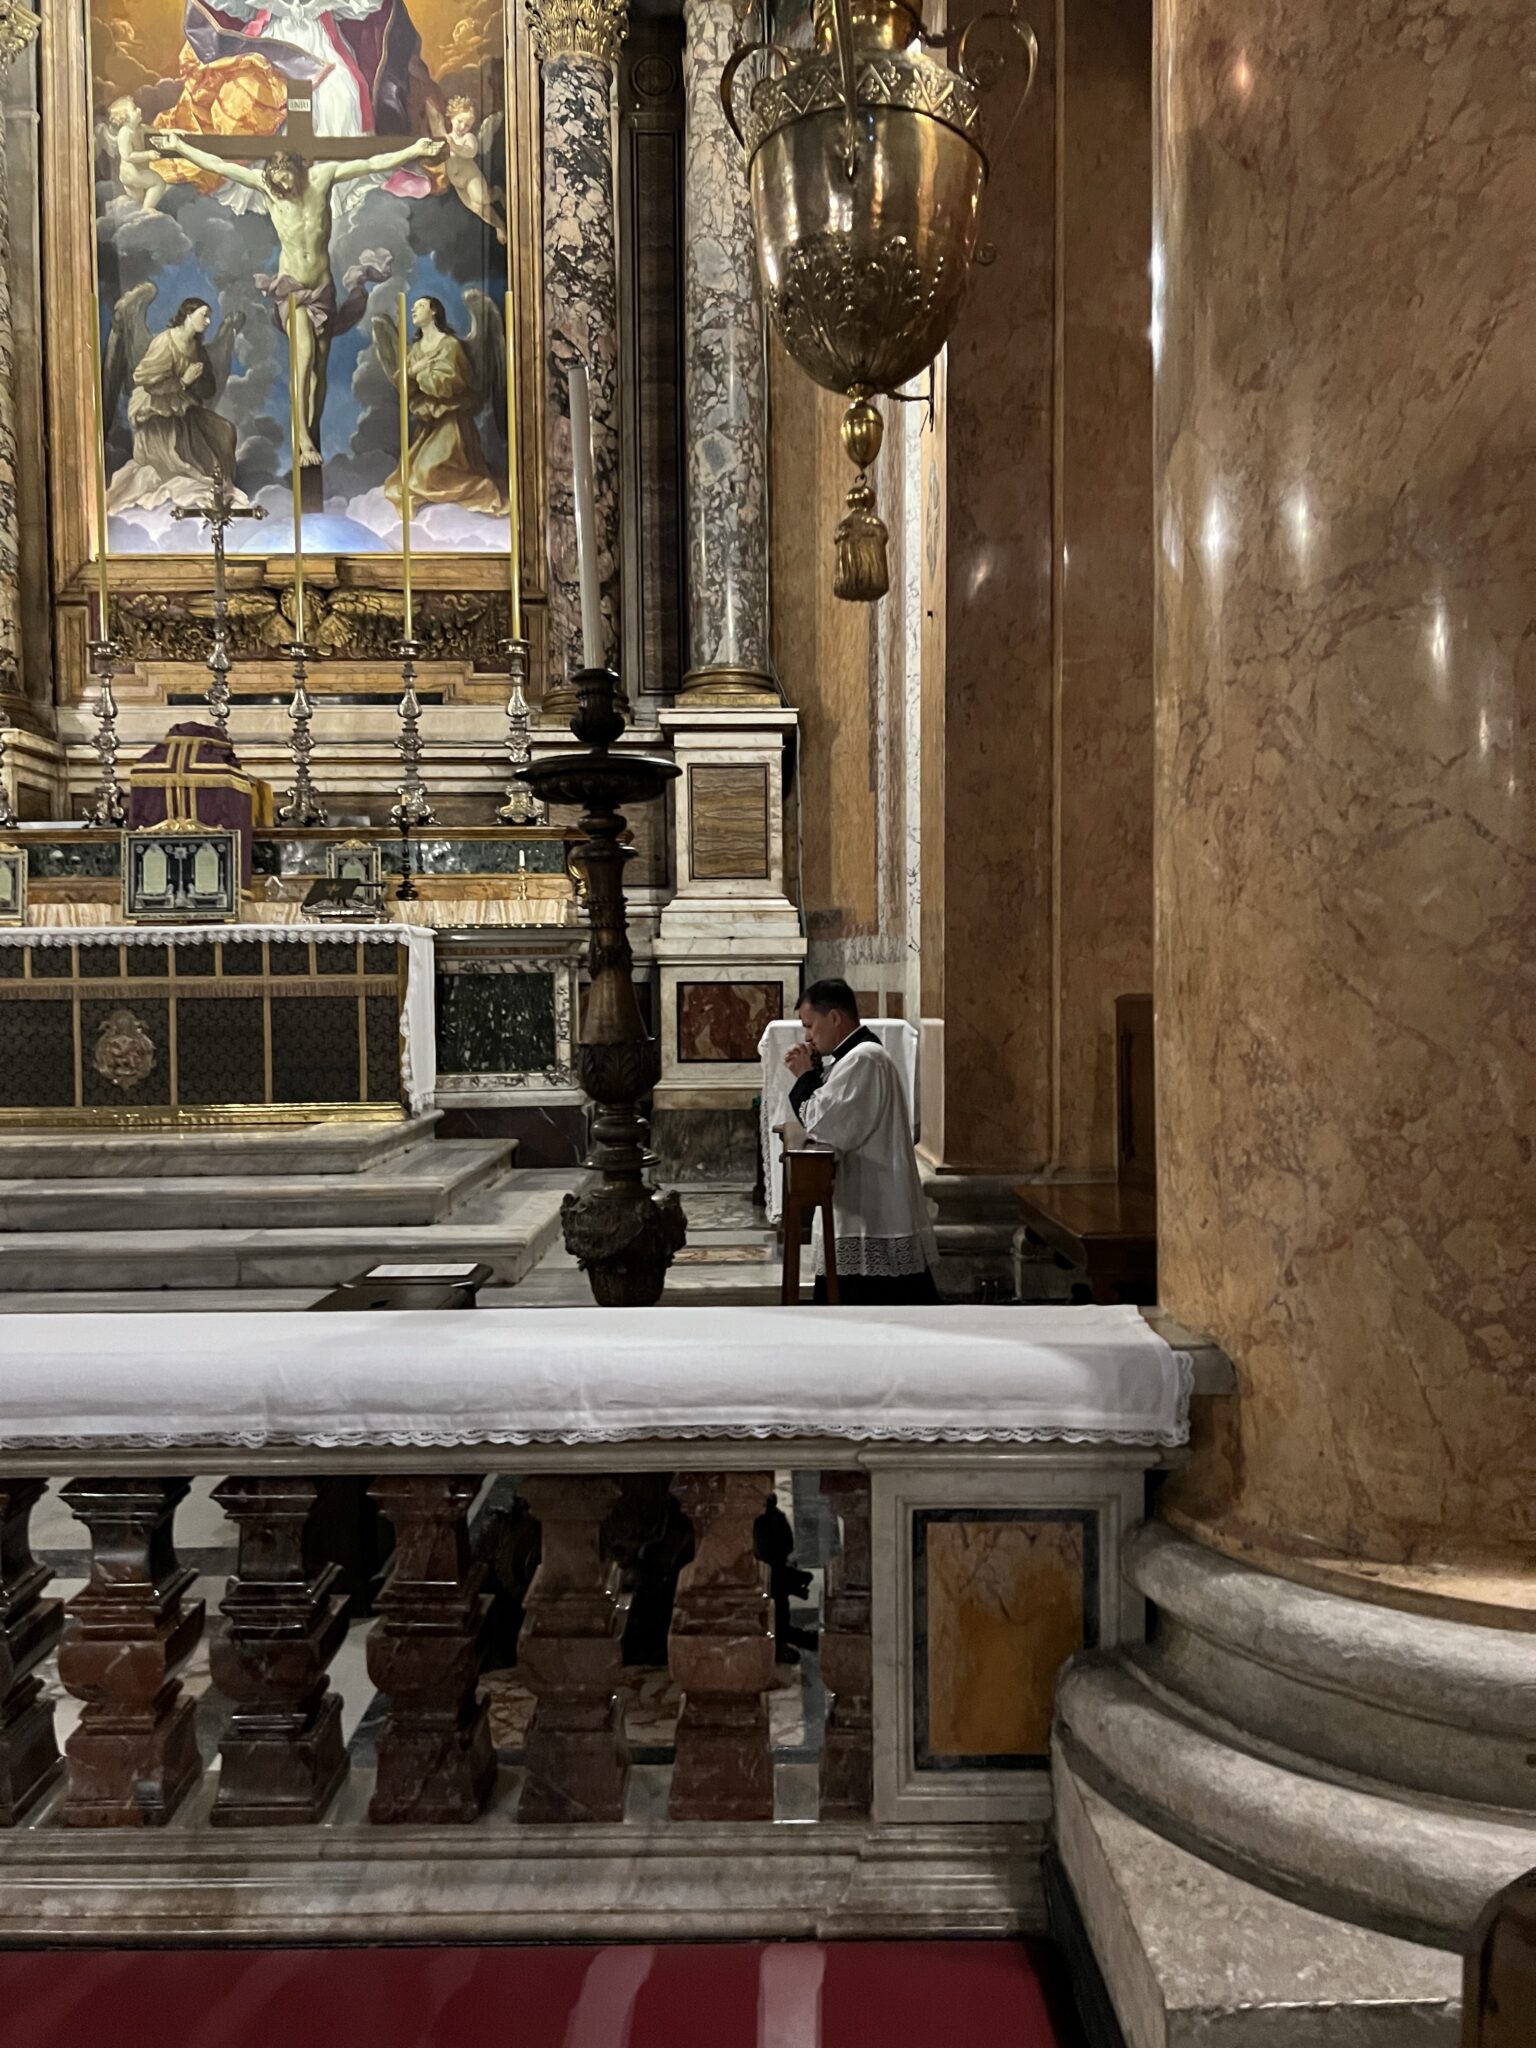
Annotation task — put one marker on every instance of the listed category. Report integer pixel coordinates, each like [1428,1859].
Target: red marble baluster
[127,1638]
[847,1750]
[29,1628]
[570,1656]
[435,1757]
[721,1654]
[282,1758]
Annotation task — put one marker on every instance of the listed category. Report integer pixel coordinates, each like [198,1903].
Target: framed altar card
[13,885]
[187,875]
[354,860]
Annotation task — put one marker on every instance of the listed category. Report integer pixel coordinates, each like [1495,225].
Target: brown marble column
[1346,575]
[721,1654]
[29,1628]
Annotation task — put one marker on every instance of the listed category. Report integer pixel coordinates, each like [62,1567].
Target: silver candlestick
[108,808]
[303,805]
[217,514]
[7,808]
[414,808]
[522,807]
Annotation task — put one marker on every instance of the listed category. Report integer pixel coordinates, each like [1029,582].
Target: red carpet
[990,1994]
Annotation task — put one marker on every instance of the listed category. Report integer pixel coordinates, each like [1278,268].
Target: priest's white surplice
[881,1220]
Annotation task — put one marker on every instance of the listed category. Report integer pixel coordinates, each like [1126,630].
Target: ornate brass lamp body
[866,164]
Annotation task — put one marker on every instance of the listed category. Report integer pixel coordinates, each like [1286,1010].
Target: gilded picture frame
[187,874]
[13,885]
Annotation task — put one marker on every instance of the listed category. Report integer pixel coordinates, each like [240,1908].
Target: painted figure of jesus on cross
[296,183]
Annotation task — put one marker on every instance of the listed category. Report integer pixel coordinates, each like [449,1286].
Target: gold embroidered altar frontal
[201,1030]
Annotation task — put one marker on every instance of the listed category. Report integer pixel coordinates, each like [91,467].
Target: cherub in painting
[126,140]
[467,143]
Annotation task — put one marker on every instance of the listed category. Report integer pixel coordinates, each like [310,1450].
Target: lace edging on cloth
[180,935]
[467,1439]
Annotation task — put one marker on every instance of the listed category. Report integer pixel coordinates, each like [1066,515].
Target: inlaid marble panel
[493,1023]
[728,823]
[1002,1597]
[724,1020]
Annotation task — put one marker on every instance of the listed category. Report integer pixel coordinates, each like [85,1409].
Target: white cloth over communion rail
[577,1376]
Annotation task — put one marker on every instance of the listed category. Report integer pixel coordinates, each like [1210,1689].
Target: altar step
[450,1203]
[320,1148]
[425,1185]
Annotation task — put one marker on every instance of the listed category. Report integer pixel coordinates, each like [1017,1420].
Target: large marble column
[578,44]
[726,389]
[1337,1702]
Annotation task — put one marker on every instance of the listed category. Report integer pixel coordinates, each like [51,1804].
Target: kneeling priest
[847,1093]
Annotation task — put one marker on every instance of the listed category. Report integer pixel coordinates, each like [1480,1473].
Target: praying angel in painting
[448,465]
[467,142]
[172,379]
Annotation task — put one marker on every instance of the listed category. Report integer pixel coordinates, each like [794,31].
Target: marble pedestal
[729,947]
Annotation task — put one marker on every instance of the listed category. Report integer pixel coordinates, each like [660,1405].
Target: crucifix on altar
[296,181]
[217,514]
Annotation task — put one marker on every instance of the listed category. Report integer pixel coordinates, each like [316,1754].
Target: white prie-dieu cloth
[878,1208]
[574,1376]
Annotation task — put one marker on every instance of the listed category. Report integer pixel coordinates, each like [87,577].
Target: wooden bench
[1107,1230]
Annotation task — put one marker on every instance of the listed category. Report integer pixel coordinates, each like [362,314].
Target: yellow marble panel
[1005,1605]
[728,818]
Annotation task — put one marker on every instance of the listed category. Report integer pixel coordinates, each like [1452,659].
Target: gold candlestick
[294,316]
[405,469]
[103,629]
[514,535]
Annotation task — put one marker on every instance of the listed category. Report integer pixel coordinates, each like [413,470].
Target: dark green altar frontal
[200,1030]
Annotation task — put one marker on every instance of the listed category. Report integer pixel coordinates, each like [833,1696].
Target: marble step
[510,1227]
[327,1148]
[424,1185]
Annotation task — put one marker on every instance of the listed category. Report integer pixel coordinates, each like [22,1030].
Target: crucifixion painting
[256,157]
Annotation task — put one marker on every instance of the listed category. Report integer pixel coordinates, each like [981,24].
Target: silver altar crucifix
[217,514]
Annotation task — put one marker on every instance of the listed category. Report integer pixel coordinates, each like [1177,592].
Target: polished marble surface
[1344,303]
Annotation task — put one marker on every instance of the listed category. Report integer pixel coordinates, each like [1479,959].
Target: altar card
[185,875]
[13,885]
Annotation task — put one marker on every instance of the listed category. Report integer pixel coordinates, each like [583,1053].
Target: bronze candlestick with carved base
[623,1234]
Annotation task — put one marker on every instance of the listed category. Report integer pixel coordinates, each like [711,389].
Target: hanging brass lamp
[866,161]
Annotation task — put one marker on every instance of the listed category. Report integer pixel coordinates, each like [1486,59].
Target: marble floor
[855,1994]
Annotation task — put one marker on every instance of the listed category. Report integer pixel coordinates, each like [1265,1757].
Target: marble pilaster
[726,389]
[578,43]
[17,27]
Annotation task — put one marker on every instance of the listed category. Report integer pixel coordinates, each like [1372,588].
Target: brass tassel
[863,571]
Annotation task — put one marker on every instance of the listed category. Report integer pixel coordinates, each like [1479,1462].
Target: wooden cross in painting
[296,173]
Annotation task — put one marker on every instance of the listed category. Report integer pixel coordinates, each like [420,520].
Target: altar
[141,1026]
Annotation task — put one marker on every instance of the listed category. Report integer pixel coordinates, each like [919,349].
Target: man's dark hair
[831,994]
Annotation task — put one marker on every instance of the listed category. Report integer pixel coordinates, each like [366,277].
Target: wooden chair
[1107,1230]
[810,1172]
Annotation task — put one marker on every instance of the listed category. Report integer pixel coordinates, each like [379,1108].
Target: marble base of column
[725,687]
[281,1757]
[570,1656]
[720,1651]
[847,1749]
[435,1760]
[128,1636]
[29,1628]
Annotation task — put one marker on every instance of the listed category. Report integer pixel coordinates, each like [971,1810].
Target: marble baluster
[726,389]
[435,1757]
[578,44]
[570,1656]
[29,1628]
[720,1651]
[281,1758]
[847,1751]
[127,1639]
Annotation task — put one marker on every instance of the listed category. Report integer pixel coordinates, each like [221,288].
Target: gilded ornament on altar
[578,28]
[124,1052]
[18,25]
[866,162]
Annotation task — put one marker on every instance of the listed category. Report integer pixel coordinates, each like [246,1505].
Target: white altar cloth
[580,1376]
[418,1015]
[899,1039]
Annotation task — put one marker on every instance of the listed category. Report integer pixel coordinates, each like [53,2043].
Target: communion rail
[982,1466]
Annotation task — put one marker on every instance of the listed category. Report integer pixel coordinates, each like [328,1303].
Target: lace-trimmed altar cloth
[1093,1375]
[418,1013]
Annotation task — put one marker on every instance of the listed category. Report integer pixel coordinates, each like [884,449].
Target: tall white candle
[586,519]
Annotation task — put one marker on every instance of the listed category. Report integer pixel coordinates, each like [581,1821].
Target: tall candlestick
[294,316]
[514,535]
[102,628]
[586,519]
[405,468]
